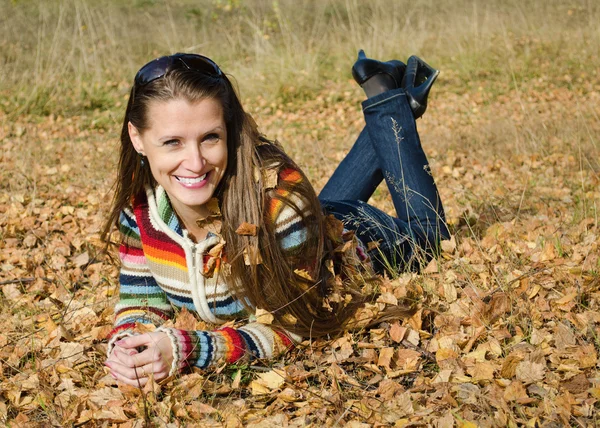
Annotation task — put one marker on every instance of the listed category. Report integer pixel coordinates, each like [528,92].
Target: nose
[194,161]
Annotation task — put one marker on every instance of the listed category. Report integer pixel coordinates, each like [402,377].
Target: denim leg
[357,176]
[389,147]
[394,138]
[394,251]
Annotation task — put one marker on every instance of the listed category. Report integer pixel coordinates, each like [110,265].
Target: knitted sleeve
[141,300]
[289,221]
[226,345]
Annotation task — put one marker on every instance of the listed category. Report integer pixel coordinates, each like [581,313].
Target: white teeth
[186,180]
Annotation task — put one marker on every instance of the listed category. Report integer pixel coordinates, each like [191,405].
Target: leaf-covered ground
[507,331]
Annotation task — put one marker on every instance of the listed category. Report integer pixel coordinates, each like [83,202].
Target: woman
[217,219]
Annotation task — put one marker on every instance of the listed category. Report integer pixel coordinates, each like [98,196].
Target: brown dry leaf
[197,409]
[408,359]
[577,384]
[528,372]
[385,357]
[144,328]
[397,332]
[515,391]
[586,356]
[217,250]
[443,376]
[185,320]
[102,396]
[11,291]
[498,306]
[450,292]
[81,259]
[334,229]
[432,267]
[509,366]
[342,349]
[213,206]
[72,353]
[449,245]
[483,371]
[372,245]
[388,298]
[564,337]
[246,229]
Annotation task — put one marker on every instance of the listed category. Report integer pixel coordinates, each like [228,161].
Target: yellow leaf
[264,317]
[385,357]
[302,273]
[268,381]
[252,256]
[289,319]
[270,177]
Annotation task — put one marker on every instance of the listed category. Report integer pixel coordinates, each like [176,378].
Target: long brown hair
[274,284]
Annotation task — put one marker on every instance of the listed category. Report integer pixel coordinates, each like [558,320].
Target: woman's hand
[132,367]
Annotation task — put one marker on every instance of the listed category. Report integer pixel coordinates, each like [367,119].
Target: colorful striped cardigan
[161,269]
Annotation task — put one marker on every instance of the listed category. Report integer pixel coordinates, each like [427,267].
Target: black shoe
[364,68]
[417,82]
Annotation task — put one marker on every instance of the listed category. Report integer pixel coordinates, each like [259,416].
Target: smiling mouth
[187,180]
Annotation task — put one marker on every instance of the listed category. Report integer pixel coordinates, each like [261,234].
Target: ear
[136,138]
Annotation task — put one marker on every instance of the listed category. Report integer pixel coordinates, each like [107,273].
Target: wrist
[177,362]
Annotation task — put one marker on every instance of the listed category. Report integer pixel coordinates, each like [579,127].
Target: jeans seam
[383,101]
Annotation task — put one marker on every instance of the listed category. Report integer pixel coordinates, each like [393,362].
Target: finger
[134,341]
[135,360]
[129,372]
[126,351]
[138,382]
[159,371]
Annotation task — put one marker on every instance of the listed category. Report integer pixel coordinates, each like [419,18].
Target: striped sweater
[163,269]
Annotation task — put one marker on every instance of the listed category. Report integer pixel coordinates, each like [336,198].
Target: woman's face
[186,147]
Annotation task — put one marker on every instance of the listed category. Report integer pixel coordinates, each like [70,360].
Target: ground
[507,324]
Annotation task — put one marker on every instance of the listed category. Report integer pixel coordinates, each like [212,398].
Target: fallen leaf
[246,229]
[264,317]
[397,332]
[302,273]
[385,357]
[528,372]
[266,382]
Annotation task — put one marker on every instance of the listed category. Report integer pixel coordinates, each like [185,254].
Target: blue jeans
[388,148]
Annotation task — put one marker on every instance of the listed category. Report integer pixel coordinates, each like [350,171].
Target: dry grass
[512,137]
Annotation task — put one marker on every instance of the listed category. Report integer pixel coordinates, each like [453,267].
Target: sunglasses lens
[153,70]
[201,63]
[160,66]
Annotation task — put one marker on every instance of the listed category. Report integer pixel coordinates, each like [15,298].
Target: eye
[171,142]
[212,138]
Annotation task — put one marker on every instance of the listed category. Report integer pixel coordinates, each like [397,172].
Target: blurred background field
[511,133]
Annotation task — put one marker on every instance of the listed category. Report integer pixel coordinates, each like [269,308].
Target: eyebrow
[175,137]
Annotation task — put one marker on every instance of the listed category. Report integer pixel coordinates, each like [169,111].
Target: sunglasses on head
[159,67]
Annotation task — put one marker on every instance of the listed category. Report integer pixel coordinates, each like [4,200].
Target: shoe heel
[417,82]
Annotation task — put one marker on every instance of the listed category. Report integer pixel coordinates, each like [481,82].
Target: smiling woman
[217,219]
[186,147]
